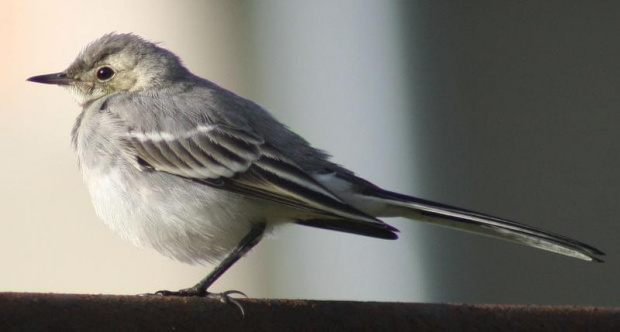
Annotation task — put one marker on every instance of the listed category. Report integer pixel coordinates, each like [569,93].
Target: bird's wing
[238,160]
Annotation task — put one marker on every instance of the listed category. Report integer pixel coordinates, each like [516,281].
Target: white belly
[183,220]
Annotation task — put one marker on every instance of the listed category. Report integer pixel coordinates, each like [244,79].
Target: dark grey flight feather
[475,222]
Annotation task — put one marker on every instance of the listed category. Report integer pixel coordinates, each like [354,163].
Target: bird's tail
[469,221]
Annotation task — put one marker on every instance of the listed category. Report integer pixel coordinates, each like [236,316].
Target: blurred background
[501,107]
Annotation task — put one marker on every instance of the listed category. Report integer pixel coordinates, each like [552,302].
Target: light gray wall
[335,72]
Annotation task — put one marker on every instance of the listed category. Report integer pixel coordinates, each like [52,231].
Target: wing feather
[241,161]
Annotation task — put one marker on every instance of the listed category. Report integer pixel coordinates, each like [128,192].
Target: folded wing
[240,161]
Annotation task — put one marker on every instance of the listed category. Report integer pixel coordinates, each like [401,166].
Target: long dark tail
[474,222]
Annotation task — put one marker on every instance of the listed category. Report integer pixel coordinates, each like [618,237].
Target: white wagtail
[176,163]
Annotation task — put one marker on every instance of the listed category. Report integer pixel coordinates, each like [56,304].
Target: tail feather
[474,222]
[377,230]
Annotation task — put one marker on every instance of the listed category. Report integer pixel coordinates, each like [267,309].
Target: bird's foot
[224,297]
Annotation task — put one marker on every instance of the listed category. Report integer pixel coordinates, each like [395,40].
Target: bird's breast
[182,219]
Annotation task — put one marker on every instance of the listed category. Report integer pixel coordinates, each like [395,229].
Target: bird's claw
[224,297]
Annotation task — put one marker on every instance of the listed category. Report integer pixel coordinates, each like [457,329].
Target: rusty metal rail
[67,312]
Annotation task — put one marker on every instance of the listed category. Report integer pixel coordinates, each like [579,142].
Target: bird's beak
[56,78]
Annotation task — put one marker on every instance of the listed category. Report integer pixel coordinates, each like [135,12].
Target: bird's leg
[200,289]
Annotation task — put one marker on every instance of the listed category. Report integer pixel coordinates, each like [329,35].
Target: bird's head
[116,63]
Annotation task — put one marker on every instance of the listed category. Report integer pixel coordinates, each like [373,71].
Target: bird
[174,162]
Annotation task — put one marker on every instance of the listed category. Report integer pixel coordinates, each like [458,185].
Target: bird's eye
[105,73]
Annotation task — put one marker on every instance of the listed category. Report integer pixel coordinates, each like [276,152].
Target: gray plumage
[174,162]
